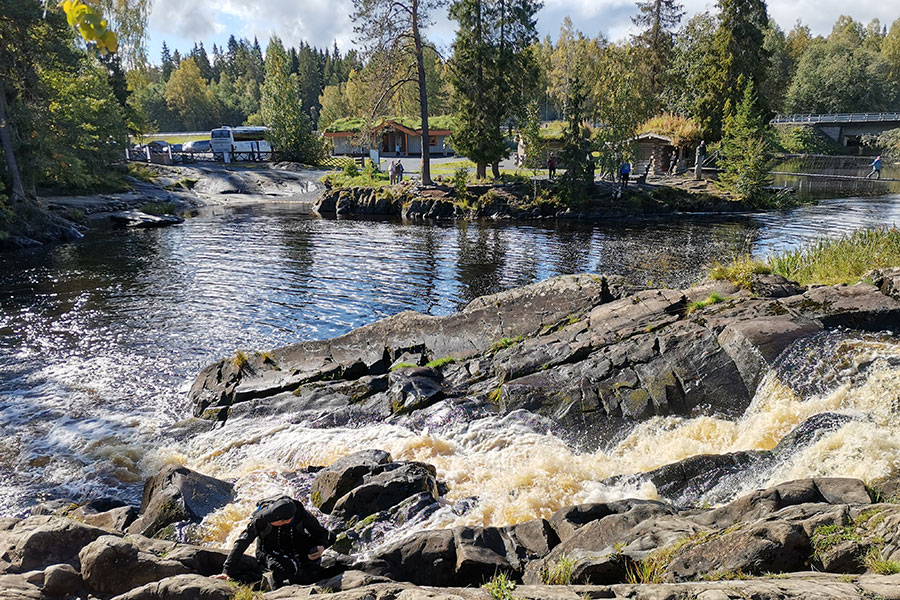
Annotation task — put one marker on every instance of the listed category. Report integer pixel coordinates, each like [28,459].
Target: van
[197,146]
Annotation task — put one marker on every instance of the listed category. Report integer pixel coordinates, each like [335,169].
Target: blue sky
[324,22]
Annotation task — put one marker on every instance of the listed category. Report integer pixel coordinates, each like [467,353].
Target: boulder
[38,542]
[178,494]
[424,558]
[136,219]
[567,521]
[414,388]
[111,565]
[17,587]
[766,547]
[61,580]
[774,286]
[860,306]
[369,531]
[182,587]
[344,474]
[381,491]
[482,552]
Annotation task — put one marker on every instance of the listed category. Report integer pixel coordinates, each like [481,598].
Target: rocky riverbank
[173,190]
[526,201]
[585,353]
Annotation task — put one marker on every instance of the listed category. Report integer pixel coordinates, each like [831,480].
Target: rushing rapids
[519,470]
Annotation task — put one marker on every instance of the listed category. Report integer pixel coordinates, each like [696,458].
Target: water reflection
[100,339]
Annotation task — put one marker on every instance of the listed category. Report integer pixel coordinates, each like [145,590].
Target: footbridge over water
[846,129]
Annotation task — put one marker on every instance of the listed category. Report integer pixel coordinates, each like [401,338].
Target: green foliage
[494,73]
[403,365]
[658,20]
[80,130]
[682,130]
[561,573]
[745,150]
[459,181]
[141,172]
[889,142]
[505,343]
[841,75]
[843,260]
[440,362]
[240,360]
[351,176]
[876,563]
[351,170]
[500,587]
[290,128]
[713,298]
[805,139]
[576,152]
[827,536]
[739,271]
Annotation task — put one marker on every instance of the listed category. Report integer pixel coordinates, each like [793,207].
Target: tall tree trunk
[495,169]
[18,192]
[423,95]
[480,170]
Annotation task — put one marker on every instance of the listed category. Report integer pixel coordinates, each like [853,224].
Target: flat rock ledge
[586,351]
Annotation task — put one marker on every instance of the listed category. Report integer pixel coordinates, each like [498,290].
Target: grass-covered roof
[356,124]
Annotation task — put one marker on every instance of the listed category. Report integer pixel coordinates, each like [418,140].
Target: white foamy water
[518,471]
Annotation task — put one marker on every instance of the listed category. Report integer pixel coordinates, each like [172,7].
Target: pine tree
[290,130]
[739,51]
[745,149]
[494,74]
[166,62]
[202,60]
[576,146]
[657,19]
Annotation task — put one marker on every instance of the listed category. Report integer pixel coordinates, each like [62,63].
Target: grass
[240,360]
[353,176]
[876,563]
[505,343]
[739,271]
[141,172]
[561,573]
[828,536]
[843,260]
[440,362]
[713,298]
[500,587]
[823,261]
[403,365]
[182,184]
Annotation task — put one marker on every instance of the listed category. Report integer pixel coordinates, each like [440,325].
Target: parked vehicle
[249,140]
[197,146]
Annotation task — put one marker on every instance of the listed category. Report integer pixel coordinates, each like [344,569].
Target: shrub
[713,298]
[351,170]
[440,362]
[500,587]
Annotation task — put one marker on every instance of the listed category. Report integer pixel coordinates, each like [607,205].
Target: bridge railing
[838,118]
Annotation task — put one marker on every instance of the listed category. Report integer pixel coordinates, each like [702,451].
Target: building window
[432,140]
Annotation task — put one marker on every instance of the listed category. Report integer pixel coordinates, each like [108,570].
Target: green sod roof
[356,124]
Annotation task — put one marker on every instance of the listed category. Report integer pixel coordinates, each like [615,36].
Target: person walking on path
[551,166]
[624,173]
[876,168]
[289,544]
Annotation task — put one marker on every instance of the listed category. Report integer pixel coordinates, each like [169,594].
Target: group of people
[396,171]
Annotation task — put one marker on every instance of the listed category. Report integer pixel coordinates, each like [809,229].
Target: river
[100,340]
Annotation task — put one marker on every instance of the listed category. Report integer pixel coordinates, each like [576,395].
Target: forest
[72,106]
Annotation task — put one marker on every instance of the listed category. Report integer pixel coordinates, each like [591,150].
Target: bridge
[847,129]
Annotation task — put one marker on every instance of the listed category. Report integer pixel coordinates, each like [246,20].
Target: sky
[322,23]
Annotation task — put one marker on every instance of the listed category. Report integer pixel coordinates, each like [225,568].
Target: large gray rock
[344,474]
[38,542]
[423,558]
[182,587]
[178,494]
[381,491]
[111,565]
[61,581]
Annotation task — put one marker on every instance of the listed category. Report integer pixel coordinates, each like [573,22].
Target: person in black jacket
[289,546]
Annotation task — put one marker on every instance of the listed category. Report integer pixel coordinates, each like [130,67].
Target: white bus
[243,140]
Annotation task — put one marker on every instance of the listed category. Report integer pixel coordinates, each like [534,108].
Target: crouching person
[289,545]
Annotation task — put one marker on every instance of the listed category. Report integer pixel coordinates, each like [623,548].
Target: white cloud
[322,22]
